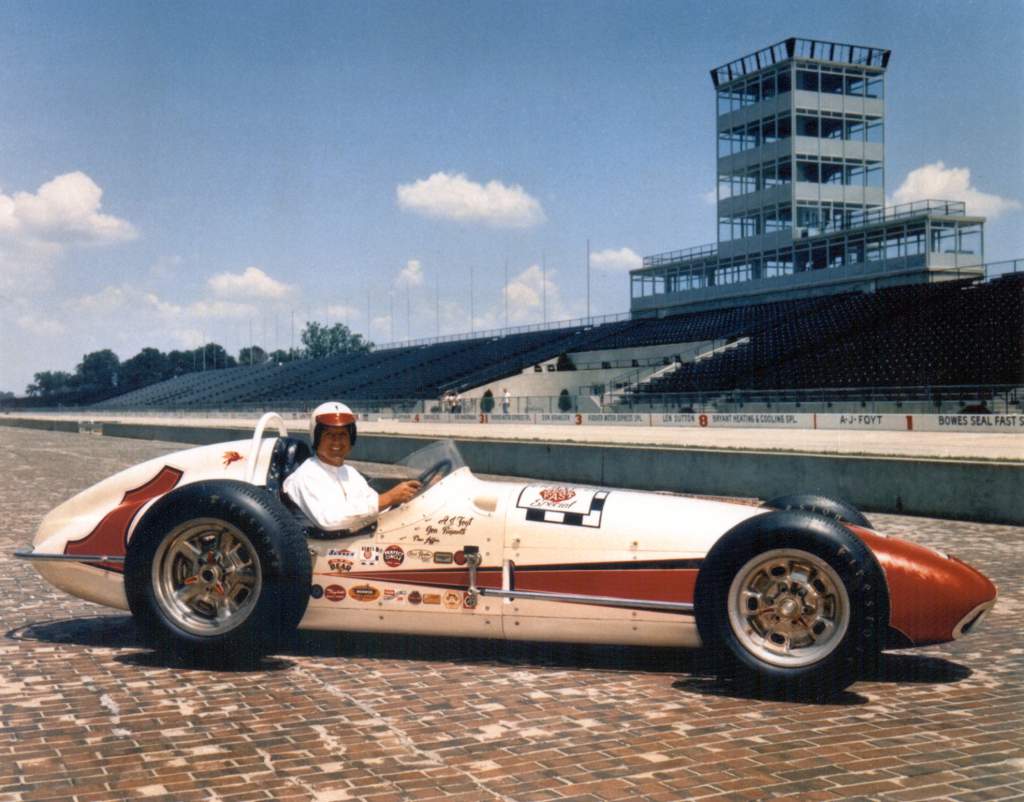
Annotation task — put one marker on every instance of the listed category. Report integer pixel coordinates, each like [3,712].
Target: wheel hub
[788,607]
[206,576]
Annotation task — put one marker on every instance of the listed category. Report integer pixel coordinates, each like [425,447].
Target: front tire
[793,604]
[218,569]
[823,505]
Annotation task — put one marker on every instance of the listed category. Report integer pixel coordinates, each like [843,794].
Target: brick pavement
[87,713]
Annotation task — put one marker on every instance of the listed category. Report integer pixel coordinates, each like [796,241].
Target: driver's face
[334,445]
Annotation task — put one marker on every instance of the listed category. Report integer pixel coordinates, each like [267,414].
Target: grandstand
[967,332]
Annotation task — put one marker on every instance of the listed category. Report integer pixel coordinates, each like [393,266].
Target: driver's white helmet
[331,413]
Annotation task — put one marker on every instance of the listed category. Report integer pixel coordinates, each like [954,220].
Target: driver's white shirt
[332,497]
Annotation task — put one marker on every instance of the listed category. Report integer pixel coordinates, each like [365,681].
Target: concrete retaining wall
[959,489]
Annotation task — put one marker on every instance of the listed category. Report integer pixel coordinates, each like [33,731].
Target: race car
[796,596]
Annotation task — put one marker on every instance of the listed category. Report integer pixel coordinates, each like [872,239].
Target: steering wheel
[434,472]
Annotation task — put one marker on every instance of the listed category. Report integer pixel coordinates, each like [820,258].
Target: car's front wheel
[218,569]
[792,603]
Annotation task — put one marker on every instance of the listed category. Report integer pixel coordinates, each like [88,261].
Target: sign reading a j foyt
[558,504]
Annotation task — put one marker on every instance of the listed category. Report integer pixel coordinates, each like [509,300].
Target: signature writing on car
[450,525]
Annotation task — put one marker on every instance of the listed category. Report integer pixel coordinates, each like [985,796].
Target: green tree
[564,401]
[252,355]
[181,362]
[213,356]
[49,384]
[280,355]
[97,374]
[148,366]
[321,341]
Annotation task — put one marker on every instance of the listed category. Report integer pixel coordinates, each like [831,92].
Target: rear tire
[793,604]
[218,570]
[823,505]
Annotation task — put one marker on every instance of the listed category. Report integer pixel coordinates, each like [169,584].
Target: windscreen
[443,455]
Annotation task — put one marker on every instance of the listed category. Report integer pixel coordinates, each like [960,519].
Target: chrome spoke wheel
[788,607]
[206,576]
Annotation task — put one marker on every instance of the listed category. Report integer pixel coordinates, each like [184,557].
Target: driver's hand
[400,493]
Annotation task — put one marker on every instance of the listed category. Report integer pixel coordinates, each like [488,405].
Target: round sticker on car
[393,556]
[334,593]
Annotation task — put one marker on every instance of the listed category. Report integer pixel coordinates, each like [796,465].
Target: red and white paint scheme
[548,561]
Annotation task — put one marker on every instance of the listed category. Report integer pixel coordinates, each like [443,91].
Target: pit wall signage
[743,420]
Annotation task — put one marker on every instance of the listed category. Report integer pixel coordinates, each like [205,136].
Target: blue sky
[178,172]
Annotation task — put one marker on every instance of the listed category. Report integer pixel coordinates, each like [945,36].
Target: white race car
[800,594]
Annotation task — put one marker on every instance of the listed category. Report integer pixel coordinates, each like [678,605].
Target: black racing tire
[792,604]
[823,505]
[218,570]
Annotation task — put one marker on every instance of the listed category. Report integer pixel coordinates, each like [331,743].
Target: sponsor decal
[388,594]
[452,599]
[563,505]
[340,566]
[431,598]
[231,456]
[334,593]
[415,597]
[348,553]
[316,591]
[368,555]
[459,557]
[443,557]
[393,556]
[469,602]
[556,495]
[364,593]
[423,555]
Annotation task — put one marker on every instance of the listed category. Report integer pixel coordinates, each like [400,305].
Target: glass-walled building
[801,190]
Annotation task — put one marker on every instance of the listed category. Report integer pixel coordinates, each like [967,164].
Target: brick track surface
[88,713]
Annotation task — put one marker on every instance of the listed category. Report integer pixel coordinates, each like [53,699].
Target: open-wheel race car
[798,595]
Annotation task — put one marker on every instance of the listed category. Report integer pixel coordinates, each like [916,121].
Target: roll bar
[257,441]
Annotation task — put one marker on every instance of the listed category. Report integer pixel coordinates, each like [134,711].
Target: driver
[332,494]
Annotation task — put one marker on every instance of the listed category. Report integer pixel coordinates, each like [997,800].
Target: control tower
[800,130]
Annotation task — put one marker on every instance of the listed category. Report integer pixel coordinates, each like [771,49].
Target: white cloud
[380,327]
[219,310]
[41,326]
[342,313]
[938,182]
[63,210]
[127,301]
[37,228]
[455,197]
[622,260]
[251,283]
[530,293]
[411,275]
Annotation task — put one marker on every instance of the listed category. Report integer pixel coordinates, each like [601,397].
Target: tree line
[101,374]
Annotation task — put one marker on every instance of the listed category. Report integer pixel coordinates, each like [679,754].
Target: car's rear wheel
[792,603]
[218,569]
[823,505]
